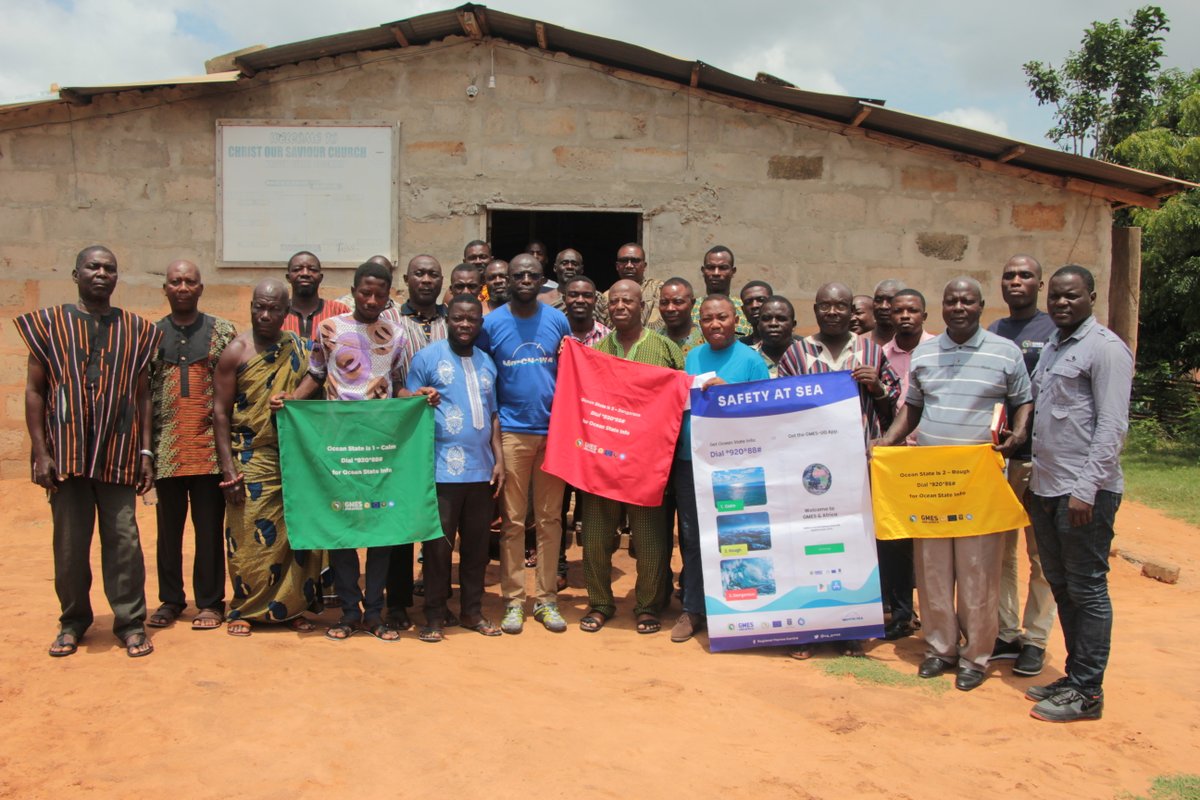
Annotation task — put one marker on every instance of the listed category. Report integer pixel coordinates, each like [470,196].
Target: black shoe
[968,679]
[1029,663]
[932,667]
[1039,693]
[1006,650]
[1069,705]
[898,630]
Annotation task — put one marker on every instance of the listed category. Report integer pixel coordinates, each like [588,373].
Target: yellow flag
[941,492]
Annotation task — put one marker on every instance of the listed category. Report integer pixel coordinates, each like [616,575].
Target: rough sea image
[748,573]
[752,530]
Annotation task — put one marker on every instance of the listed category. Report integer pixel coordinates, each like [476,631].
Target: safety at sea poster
[786,534]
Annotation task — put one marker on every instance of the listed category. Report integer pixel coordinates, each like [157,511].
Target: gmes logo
[930,519]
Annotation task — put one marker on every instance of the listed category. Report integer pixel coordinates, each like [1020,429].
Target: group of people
[117,406]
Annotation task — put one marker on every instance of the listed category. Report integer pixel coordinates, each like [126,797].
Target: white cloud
[801,66]
[978,118]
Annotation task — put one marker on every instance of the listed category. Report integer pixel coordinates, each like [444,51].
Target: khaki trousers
[1039,600]
[523,456]
[969,567]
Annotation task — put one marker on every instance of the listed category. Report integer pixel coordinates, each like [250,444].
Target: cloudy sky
[954,60]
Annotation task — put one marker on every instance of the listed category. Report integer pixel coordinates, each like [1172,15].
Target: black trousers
[75,507]
[208,521]
[400,581]
[897,578]
[466,511]
[355,604]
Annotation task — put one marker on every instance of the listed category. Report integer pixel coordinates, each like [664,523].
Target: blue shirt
[735,364]
[462,440]
[1031,335]
[526,354]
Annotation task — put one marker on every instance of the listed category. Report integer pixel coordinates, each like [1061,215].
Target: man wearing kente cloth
[271,582]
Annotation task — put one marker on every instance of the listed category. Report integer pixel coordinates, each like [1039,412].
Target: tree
[1171,234]
[1104,91]
[1113,97]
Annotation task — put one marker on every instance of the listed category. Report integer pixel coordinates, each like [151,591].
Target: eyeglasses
[629,260]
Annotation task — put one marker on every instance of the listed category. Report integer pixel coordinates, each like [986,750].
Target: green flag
[358,473]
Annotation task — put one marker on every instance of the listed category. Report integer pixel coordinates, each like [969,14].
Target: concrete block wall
[799,204]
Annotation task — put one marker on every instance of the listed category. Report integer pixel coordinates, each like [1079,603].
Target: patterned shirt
[358,360]
[92,366]
[306,327]
[651,348]
[419,331]
[463,419]
[956,386]
[809,356]
[599,331]
[693,340]
[181,383]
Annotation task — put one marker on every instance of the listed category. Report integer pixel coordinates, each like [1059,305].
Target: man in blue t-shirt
[523,337]
[1023,638]
[733,362]
[469,465]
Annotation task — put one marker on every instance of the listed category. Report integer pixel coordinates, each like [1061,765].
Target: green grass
[1166,478]
[870,671]
[1171,787]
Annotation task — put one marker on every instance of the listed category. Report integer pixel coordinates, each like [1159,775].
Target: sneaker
[1039,693]
[1069,705]
[1029,663]
[548,614]
[514,619]
[1005,651]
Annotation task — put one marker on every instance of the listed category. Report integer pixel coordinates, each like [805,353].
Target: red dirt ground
[614,714]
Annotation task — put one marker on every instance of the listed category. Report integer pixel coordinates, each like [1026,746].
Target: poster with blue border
[786,532]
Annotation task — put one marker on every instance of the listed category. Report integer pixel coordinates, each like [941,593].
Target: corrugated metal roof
[478,21]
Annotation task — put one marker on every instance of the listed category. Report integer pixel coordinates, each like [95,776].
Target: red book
[999,425]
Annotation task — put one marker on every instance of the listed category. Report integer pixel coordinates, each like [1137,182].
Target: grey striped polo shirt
[958,385]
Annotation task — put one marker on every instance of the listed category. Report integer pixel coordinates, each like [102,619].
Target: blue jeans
[1075,563]
[692,577]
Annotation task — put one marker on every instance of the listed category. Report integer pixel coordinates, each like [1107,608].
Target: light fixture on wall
[492,77]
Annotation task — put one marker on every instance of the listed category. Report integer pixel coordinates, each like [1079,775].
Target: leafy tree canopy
[1104,91]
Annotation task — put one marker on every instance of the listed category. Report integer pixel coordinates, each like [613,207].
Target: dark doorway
[595,234]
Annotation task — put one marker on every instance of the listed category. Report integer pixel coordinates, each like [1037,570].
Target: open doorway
[595,234]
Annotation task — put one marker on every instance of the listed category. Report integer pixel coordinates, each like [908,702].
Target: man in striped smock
[955,381]
[833,348]
[87,407]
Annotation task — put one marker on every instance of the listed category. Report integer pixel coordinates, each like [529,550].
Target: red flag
[614,424]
